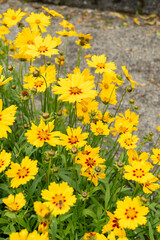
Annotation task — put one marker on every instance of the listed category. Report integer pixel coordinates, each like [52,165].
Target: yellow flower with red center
[24,235]
[41,209]
[43,226]
[85,74]
[99,128]
[74,138]
[22,57]
[107,117]
[128,141]
[59,198]
[5,159]
[94,236]
[149,185]
[44,46]
[88,150]
[84,40]
[75,89]
[53,13]
[38,135]
[158,228]
[38,20]
[130,213]
[22,173]
[46,76]
[156,156]
[133,157]
[128,76]
[12,17]
[130,117]
[113,224]
[138,171]
[99,62]
[15,203]
[7,118]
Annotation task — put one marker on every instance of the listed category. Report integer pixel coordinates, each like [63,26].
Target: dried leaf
[119,15]
[79,20]
[141,84]
[150,22]
[148,17]
[136,20]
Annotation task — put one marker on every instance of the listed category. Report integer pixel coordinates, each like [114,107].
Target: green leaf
[89,212]
[107,195]
[151,236]
[35,183]
[5,188]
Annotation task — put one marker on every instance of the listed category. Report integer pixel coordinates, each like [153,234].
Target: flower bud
[84,194]
[131,101]
[13,86]
[10,67]
[55,170]
[80,118]
[136,107]
[59,113]
[25,95]
[25,125]
[74,150]
[51,153]
[35,73]
[45,115]
[158,176]
[129,89]
[48,63]
[97,169]
[47,159]
[120,164]
[34,90]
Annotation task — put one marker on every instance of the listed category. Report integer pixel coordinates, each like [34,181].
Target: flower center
[42,49]
[37,21]
[99,131]
[86,152]
[115,223]
[139,173]
[13,17]
[73,139]
[101,65]
[38,83]
[23,172]
[131,213]
[29,42]
[128,142]
[84,109]
[90,162]
[59,200]
[75,90]
[106,86]
[43,135]
[1,163]
[91,236]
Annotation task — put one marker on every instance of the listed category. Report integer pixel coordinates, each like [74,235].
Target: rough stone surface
[123,42]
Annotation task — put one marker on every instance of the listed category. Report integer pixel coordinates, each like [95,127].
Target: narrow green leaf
[151,236]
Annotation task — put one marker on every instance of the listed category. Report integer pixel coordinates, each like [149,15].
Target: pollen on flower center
[84,109]
[138,173]
[131,213]
[30,42]
[90,162]
[37,21]
[59,200]
[75,90]
[1,163]
[13,17]
[43,135]
[128,142]
[106,86]
[42,49]
[38,83]
[23,172]
[73,139]
[99,130]
[100,65]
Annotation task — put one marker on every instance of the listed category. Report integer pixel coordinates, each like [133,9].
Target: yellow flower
[108,118]
[65,33]
[149,185]
[138,171]
[14,203]
[129,78]
[75,89]
[5,159]
[99,62]
[44,46]
[158,228]
[12,17]
[59,198]
[85,74]
[94,236]
[113,224]
[129,117]
[22,173]
[7,118]
[88,150]
[66,24]
[43,227]
[84,40]
[156,157]
[38,20]
[4,30]
[74,138]
[130,213]
[22,57]
[24,235]
[128,141]
[100,128]
[37,136]
[41,209]
[133,157]
[108,94]
[2,81]
[53,13]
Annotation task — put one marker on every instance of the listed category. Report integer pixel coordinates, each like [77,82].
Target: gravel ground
[125,43]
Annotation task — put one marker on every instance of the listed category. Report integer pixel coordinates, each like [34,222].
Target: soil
[125,42]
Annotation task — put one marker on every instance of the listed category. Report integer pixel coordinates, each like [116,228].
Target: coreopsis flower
[100,128]
[22,57]
[129,117]
[66,24]
[133,157]
[75,89]
[74,138]
[84,74]
[2,77]
[4,30]
[38,135]
[128,76]
[130,213]
[158,228]
[66,33]
[25,235]
[22,173]
[43,226]
[99,62]
[138,171]
[128,141]
[84,40]
[5,159]
[7,118]
[12,17]
[46,76]
[38,21]
[111,77]
[15,203]
[87,152]
[113,224]
[60,60]
[107,117]
[108,94]
[53,13]
[41,209]
[45,46]
[59,198]
[156,156]
[25,38]
[94,236]
[94,173]
[85,109]
[149,185]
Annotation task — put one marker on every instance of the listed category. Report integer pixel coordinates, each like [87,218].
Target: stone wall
[129,6]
